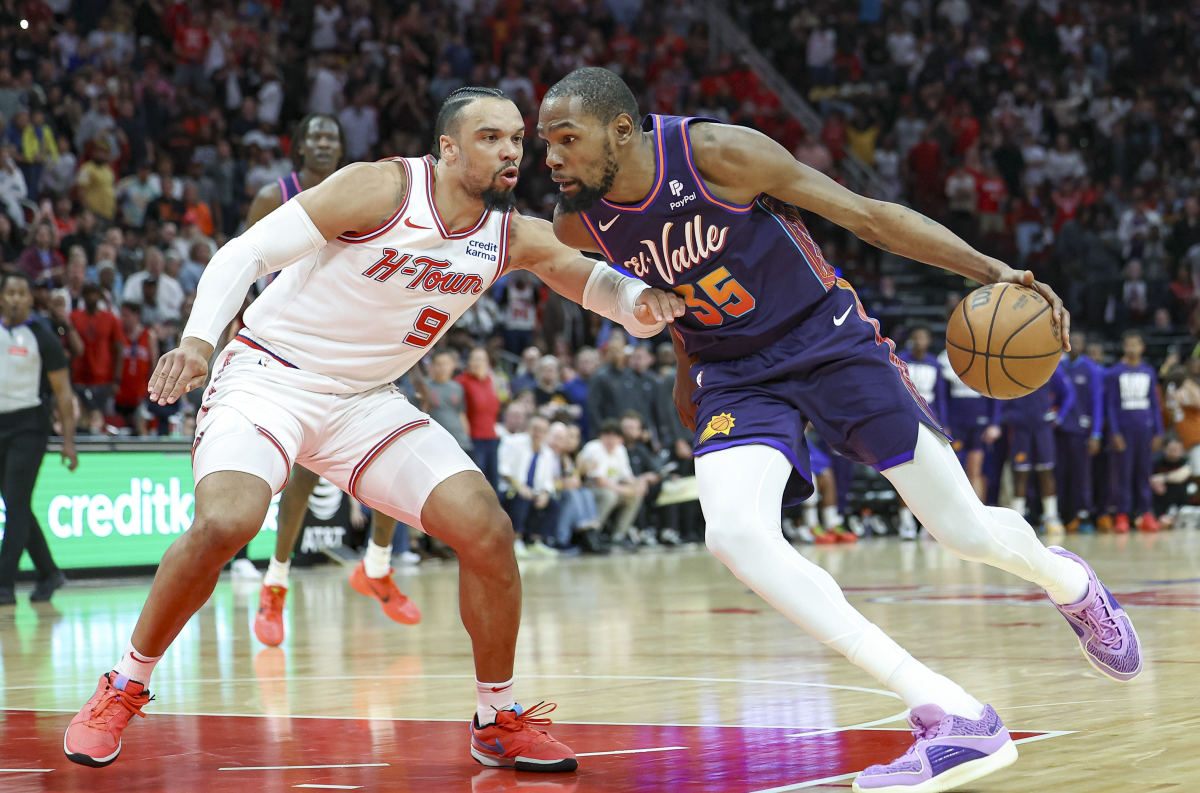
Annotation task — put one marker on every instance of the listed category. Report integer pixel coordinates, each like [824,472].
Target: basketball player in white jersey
[377,262]
[320,143]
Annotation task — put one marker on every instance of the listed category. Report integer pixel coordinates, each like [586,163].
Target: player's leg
[1020,454]
[741,489]
[1048,487]
[1121,478]
[373,575]
[237,468]
[1143,468]
[293,504]
[973,465]
[937,489]
[406,466]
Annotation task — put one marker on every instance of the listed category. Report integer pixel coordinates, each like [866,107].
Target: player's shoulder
[570,231]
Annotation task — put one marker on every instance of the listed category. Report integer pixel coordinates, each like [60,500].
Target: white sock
[1049,508]
[810,515]
[378,560]
[135,665]
[830,518]
[906,518]
[493,697]
[917,683]
[1018,505]
[277,573]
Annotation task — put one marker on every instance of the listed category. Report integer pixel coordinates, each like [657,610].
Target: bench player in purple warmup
[776,339]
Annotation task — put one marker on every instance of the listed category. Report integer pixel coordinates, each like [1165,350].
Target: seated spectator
[577,515]
[528,471]
[41,259]
[168,294]
[608,474]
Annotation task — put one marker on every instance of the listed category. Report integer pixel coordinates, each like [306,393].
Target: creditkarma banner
[120,509]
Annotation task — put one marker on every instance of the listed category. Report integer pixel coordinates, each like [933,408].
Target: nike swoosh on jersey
[412,225]
[608,225]
[839,320]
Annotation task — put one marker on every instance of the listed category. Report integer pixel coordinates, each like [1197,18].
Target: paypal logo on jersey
[676,190]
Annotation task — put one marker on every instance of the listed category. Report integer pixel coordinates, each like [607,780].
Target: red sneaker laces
[106,710]
[533,717]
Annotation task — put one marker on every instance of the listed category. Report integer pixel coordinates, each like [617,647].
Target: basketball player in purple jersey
[1032,421]
[712,212]
[1079,435]
[318,149]
[1135,421]
[926,374]
[974,424]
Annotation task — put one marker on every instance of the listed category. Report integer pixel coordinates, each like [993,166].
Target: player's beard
[588,195]
[499,199]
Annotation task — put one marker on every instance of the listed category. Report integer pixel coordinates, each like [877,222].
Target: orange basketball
[1001,341]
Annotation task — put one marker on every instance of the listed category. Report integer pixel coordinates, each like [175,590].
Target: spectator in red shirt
[97,372]
[965,128]
[140,354]
[483,410]
[993,197]
[925,172]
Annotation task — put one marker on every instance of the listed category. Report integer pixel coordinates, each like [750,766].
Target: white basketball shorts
[260,415]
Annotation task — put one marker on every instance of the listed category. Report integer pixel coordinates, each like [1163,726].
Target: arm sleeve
[1067,395]
[1096,385]
[282,238]
[1156,403]
[49,347]
[1111,401]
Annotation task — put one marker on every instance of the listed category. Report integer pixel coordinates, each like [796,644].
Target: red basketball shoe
[515,741]
[395,603]
[94,736]
[268,623]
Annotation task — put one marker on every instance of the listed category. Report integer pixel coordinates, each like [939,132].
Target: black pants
[22,447]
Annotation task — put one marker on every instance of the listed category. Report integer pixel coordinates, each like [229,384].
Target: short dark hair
[610,427]
[633,414]
[301,132]
[453,105]
[605,95]
[1133,334]
[7,275]
[133,306]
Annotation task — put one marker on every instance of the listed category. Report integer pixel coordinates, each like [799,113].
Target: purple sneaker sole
[1105,632]
[948,752]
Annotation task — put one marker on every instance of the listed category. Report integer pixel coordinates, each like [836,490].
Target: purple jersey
[965,407]
[1131,398]
[926,374]
[1046,405]
[289,187]
[1086,417]
[750,273]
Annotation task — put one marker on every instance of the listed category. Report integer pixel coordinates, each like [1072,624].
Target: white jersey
[365,308]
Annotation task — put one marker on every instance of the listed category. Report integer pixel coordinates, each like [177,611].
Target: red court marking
[182,754]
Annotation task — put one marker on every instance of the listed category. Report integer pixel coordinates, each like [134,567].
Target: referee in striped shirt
[32,363]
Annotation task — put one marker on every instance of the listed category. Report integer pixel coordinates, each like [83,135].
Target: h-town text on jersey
[428,274]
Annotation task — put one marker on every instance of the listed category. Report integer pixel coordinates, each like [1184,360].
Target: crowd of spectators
[133,135]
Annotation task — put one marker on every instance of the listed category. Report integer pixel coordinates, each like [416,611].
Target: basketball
[1002,342]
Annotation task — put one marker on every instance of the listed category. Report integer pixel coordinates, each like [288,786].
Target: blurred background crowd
[1060,135]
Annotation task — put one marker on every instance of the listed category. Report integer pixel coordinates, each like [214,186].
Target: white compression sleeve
[281,238]
[614,296]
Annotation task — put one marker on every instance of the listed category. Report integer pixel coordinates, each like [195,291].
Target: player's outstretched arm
[642,310]
[358,197]
[740,163]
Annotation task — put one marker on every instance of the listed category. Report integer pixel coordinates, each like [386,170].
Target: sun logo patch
[720,424]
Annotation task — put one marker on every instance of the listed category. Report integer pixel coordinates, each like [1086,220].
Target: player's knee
[221,535]
[490,542]
[725,536]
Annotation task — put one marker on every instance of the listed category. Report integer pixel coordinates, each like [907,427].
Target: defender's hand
[179,371]
[657,305]
[1058,313]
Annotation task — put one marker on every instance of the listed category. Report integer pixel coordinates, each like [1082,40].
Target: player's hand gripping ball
[1002,341]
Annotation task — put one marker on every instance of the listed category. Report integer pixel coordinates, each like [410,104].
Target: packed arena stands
[1058,136]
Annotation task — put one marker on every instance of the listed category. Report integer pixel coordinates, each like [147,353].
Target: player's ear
[448,148]
[623,128]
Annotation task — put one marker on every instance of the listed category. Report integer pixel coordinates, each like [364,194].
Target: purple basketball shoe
[949,751]
[1105,633]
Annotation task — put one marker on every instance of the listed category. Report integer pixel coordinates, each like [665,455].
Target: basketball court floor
[669,676]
